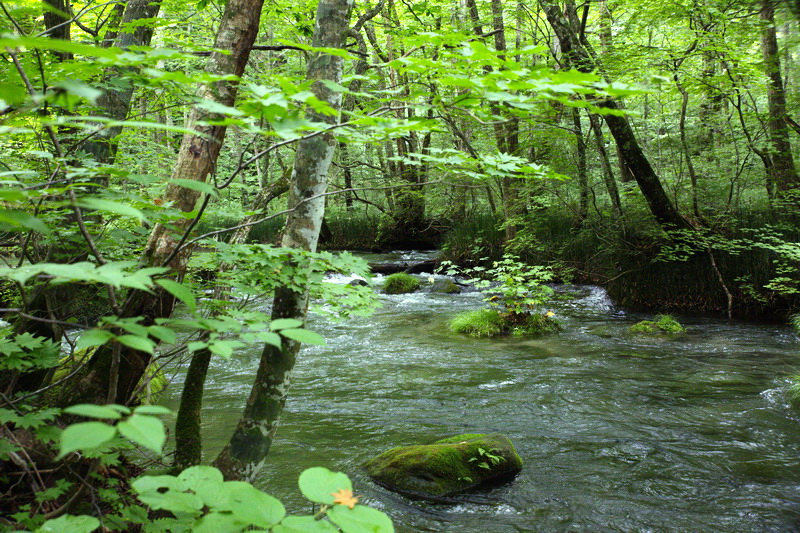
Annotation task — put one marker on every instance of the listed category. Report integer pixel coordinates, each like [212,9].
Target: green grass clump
[662,324]
[480,323]
[400,284]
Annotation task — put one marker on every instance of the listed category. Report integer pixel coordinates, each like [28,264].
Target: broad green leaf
[224,348]
[71,524]
[101,204]
[283,323]
[145,430]
[360,519]
[143,344]
[318,484]
[85,436]
[93,337]
[81,89]
[167,492]
[195,185]
[217,523]
[255,507]
[164,334]
[152,410]
[179,291]
[267,337]
[15,218]
[304,335]
[93,411]
[208,483]
[304,524]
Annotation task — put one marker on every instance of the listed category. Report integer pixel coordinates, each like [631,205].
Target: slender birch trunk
[245,454]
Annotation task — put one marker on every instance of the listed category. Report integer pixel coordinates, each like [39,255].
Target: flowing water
[617,432]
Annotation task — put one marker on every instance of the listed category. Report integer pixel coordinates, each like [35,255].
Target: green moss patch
[662,324]
[447,466]
[400,284]
[445,286]
[491,322]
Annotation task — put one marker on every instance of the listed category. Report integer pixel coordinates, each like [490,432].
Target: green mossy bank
[446,467]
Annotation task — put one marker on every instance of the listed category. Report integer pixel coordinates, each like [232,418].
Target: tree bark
[783,172]
[56,22]
[245,454]
[196,159]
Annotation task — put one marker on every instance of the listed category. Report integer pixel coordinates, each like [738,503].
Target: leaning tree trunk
[245,454]
[196,158]
[578,56]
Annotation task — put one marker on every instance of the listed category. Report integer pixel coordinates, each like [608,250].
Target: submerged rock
[445,286]
[447,466]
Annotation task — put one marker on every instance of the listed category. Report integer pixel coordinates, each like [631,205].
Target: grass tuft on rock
[400,283]
[491,322]
[662,324]
[480,323]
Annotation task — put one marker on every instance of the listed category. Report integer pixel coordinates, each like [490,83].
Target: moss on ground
[400,283]
[662,324]
[447,466]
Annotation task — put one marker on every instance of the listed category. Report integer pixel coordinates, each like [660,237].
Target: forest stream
[617,432]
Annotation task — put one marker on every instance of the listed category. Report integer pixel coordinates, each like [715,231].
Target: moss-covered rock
[662,324]
[447,466]
[491,322]
[400,283]
[445,286]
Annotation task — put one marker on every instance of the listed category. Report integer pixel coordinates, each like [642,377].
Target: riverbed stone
[447,466]
[445,286]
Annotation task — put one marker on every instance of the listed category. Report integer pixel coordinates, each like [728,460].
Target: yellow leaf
[345,497]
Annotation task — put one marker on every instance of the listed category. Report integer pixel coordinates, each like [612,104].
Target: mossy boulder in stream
[400,283]
[447,466]
[445,286]
[662,324]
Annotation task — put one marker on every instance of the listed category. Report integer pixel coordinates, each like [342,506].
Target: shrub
[400,283]
[480,323]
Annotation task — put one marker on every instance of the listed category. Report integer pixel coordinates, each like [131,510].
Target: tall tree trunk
[783,172]
[117,102]
[196,158]
[608,174]
[583,177]
[56,22]
[245,454]
[580,57]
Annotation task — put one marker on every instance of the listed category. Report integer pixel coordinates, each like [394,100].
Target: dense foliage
[150,159]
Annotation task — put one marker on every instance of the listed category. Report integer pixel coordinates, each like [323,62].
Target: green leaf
[195,185]
[164,334]
[85,436]
[143,344]
[15,218]
[304,524]
[167,492]
[71,524]
[273,339]
[255,507]
[304,335]
[208,483]
[224,348]
[93,411]
[360,519]
[100,204]
[318,484]
[93,337]
[147,431]
[152,410]
[283,323]
[179,291]
[217,523]
[79,88]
